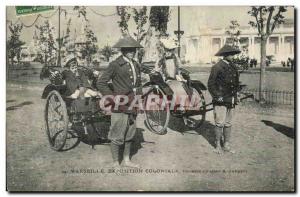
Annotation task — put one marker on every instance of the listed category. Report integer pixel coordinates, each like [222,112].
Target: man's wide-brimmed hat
[228,50]
[127,42]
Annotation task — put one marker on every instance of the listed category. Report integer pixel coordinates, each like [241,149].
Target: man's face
[73,67]
[230,57]
[130,53]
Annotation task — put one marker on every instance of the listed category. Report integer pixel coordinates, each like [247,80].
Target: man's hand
[96,73]
[81,92]
[239,96]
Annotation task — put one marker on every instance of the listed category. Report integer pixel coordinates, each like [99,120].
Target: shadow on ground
[10,101]
[97,134]
[14,107]
[287,131]
[206,129]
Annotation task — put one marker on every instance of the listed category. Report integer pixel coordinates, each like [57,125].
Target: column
[268,46]
[251,46]
[280,45]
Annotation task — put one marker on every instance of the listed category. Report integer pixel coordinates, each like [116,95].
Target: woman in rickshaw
[168,65]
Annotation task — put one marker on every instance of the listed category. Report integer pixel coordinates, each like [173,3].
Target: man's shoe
[131,164]
[218,150]
[115,165]
[227,148]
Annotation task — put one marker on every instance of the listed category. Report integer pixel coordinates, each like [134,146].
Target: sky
[108,32]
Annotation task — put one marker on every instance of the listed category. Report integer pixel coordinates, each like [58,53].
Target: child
[77,81]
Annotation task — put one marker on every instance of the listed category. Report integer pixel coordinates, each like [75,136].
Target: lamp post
[59,41]
[179,32]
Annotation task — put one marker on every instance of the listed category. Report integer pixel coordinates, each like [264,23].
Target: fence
[274,96]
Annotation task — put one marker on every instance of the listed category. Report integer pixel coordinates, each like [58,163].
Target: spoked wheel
[157,111]
[56,120]
[195,121]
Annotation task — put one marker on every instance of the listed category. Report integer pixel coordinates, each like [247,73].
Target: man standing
[223,84]
[125,75]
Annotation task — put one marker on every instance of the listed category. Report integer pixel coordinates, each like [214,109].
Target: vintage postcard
[150,98]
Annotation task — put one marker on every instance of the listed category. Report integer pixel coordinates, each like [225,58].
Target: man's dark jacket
[224,82]
[119,72]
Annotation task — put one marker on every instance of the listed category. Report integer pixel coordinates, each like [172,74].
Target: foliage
[123,12]
[81,11]
[90,47]
[234,33]
[47,45]
[140,18]
[108,52]
[267,18]
[14,43]
[159,18]
[66,38]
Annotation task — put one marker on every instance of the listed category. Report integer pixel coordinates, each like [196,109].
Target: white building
[202,48]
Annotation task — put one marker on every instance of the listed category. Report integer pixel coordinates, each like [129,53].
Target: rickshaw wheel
[194,122]
[158,115]
[56,120]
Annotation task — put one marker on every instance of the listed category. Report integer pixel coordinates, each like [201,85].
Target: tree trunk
[262,79]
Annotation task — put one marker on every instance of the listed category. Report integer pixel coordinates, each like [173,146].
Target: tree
[140,18]
[234,40]
[234,32]
[81,11]
[267,18]
[47,45]
[159,18]
[14,43]
[108,52]
[124,14]
[91,47]
[66,39]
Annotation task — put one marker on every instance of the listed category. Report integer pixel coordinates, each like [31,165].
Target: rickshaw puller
[223,85]
[125,74]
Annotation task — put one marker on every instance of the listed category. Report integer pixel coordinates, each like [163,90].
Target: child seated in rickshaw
[77,80]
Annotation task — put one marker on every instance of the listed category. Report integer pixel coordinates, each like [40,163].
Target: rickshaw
[63,115]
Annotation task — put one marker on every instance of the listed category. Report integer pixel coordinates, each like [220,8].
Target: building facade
[202,48]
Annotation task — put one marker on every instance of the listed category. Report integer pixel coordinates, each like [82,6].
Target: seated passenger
[168,63]
[77,81]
